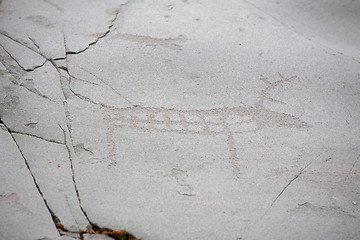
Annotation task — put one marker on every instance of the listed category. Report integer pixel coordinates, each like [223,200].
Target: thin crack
[277,197]
[15,74]
[24,45]
[81,146]
[20,42]
[63,87]
[36,67]
[35,91]
[97,39]
[270,86]
[33,41]
[86,81]
[54,5]
[84,98]
[73,173]
[18,63]
[283,190]
[30,48]
[298,34]
[353,166]
[68,140]
[36,136]
[274,100]
[351,171]
[107,84]
[51,60]
[31,89]
[53,216]
[59,58]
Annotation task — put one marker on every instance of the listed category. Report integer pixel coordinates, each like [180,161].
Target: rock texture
[180,119]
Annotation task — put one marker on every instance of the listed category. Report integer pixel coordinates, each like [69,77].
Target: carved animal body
[227,121]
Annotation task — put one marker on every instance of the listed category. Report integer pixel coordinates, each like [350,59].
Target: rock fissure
[65,89]
[26,46]
[308,38]
[108,85]
[35,91]
[36,136]
[69,52]
[34,42]
[37,51]
[132,115]
[67,145]
[277,197]
[283,190]
[96,230]
[84,80]
[84,98]
[19,64]
[27,83]
[55,219]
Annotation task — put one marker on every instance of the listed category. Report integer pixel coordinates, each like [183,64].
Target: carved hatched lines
[227,121]
[205,122]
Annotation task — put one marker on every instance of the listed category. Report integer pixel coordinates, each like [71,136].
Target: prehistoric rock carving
[227,121]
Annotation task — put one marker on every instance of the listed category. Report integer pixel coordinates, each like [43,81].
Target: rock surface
[180,119]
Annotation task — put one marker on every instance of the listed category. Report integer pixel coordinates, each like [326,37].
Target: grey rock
[96,237]
[187,119]
[23,213]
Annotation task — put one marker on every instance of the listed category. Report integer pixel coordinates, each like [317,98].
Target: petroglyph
[330,211]
[170,43]
[226,121]
[183,187]
[14,200]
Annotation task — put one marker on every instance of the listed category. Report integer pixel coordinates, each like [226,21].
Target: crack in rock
[107,84]
[96,230]
[277,197]
[53,5]
[283,190]
[36,136]
[28,84]
[81,148]
[65,87]
[70,154]
[69,52]
[18,74]
[24,45]
[64,83]
[332,211]
[53,216]
[308,38]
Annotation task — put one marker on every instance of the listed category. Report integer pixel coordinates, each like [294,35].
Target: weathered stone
[186,119]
